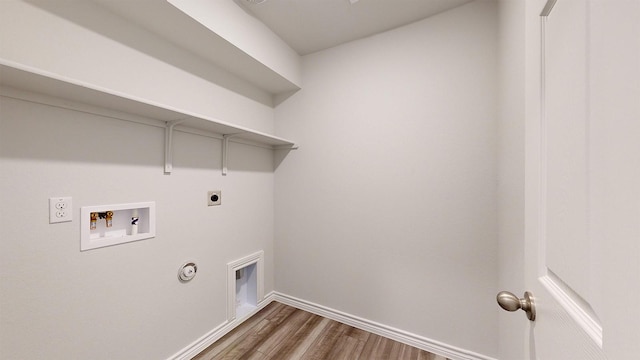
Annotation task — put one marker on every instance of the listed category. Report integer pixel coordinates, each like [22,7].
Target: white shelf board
[37,81]
[175,26]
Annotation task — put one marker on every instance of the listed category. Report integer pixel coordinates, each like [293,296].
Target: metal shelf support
[168,144]
[225,151]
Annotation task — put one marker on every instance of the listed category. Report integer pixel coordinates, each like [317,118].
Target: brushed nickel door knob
[510,302]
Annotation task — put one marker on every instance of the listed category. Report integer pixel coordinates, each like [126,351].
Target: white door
[583,179]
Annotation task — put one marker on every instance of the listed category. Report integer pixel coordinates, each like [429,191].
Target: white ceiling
[312,25]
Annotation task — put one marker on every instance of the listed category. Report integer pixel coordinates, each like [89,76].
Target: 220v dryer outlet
[214,197]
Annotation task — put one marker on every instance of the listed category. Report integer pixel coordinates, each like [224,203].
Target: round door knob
[510,302]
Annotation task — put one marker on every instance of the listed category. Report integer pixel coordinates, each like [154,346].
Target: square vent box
[245,286]
[246,290]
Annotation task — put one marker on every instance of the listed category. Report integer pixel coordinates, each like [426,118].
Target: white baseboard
[404,337]
[219,331]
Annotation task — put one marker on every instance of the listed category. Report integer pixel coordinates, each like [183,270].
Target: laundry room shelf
[32,80]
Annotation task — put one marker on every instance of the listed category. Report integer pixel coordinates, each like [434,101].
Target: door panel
[564,240]
[565,147]
[583,178]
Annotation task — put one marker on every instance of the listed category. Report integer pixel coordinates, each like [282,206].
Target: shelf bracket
[225,151]
[168,144]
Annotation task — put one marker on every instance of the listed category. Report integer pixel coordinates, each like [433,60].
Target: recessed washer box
[106,225]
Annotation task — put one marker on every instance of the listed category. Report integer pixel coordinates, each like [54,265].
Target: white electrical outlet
[60,209]
[214,197]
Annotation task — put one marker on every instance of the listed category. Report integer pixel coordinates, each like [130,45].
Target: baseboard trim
[404,337]
[219,331]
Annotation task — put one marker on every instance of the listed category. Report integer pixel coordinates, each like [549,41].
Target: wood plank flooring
[281,332]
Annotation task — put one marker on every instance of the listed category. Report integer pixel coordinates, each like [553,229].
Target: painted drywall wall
[124,301]
[120,302]
[511,66]
[388,211]
[82,41]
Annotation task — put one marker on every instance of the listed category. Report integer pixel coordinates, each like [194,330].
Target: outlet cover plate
[214,197]
[60,209]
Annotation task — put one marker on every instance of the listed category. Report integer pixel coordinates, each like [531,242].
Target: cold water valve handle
[510,302]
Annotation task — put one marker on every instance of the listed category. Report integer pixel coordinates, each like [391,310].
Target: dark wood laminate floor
[281,332]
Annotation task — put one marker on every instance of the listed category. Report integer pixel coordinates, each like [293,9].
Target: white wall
[121,302]
[388,211]
[125,301]
[511,37]
[81,41]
